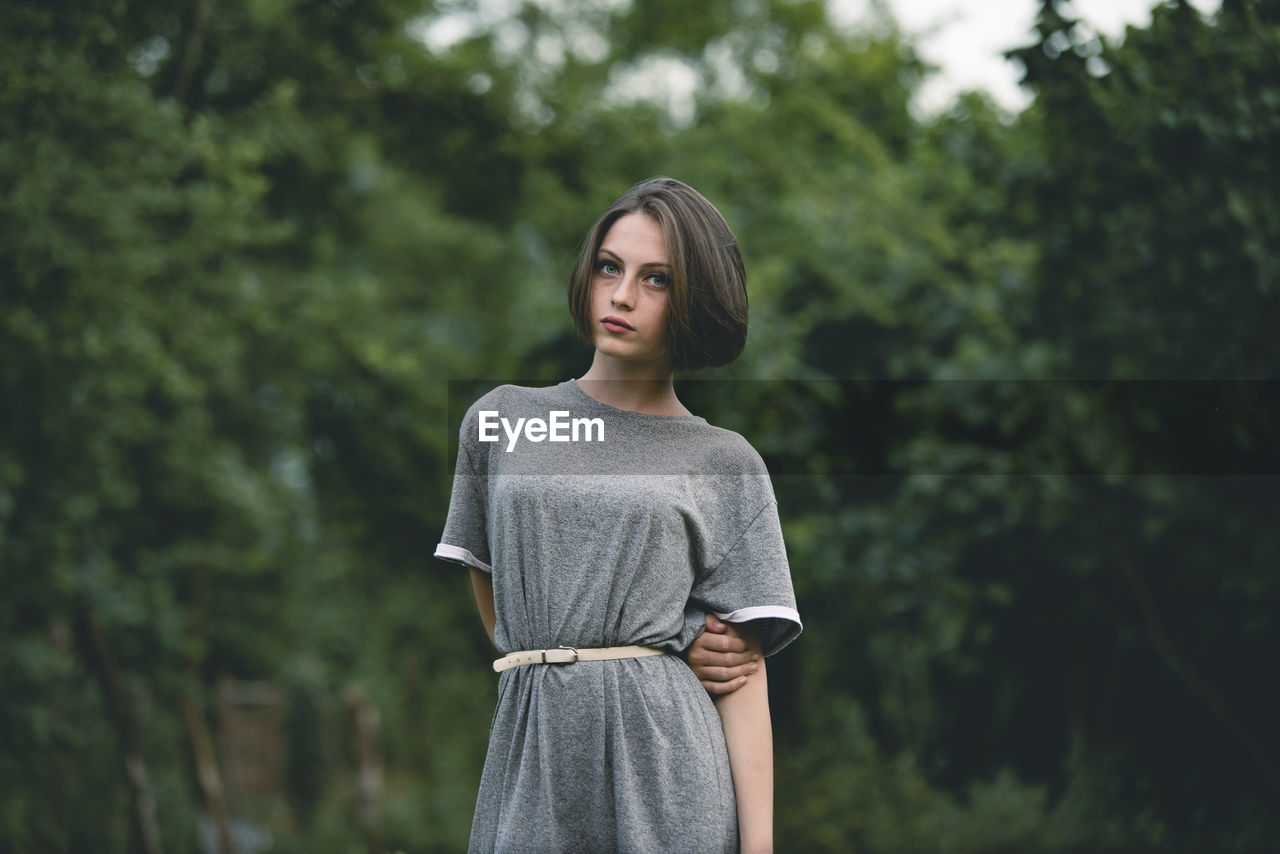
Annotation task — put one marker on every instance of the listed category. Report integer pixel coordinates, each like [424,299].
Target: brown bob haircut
[707,295]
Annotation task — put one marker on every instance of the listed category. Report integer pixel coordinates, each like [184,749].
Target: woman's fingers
[702,656]
[713,643]
[724,687]
[725,674]
[719,658]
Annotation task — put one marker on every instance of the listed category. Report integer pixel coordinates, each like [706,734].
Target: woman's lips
[617,324]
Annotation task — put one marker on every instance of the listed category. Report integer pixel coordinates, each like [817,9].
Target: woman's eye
[608,268]
[659,280]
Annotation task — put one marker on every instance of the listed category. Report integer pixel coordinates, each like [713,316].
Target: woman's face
[629,292]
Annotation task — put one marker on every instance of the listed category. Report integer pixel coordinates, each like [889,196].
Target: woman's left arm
[482,586]
[748,732]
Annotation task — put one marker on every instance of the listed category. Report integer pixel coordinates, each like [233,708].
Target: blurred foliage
[244,246]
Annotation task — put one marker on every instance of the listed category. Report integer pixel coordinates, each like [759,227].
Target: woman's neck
[634,388]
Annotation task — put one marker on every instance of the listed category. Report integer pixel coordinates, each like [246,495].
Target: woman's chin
[633,359]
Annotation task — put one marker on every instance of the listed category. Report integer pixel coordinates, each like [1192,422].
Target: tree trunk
[204,758]
[95,651]
[369,777]
[204,766]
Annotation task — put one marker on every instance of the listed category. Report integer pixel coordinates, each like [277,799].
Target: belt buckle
[562,646]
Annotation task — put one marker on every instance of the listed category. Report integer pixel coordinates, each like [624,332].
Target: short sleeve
[750,581]
[466,539]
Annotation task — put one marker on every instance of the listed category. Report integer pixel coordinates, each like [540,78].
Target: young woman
[598,554]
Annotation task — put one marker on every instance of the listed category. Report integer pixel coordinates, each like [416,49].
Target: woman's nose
[624,292]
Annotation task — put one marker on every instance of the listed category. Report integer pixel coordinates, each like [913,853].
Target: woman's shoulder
[504,404]
[512,397]
[727,452]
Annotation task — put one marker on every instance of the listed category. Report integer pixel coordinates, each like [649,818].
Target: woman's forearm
[748,732]
[482,585]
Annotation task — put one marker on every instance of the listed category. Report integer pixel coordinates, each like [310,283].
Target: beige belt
[569,655]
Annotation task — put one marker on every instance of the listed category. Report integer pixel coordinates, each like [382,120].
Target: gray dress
[629,538]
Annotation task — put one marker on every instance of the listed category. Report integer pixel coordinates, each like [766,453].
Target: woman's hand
[720,659]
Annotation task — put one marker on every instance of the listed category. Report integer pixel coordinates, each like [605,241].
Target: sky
[965,38]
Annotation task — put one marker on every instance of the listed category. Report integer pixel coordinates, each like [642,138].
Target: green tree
[245,247]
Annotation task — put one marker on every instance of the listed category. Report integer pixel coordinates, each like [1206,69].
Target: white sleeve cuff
[764,612]
[457,554]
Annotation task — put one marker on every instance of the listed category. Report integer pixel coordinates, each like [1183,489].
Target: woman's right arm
[748,733]
[482,585]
